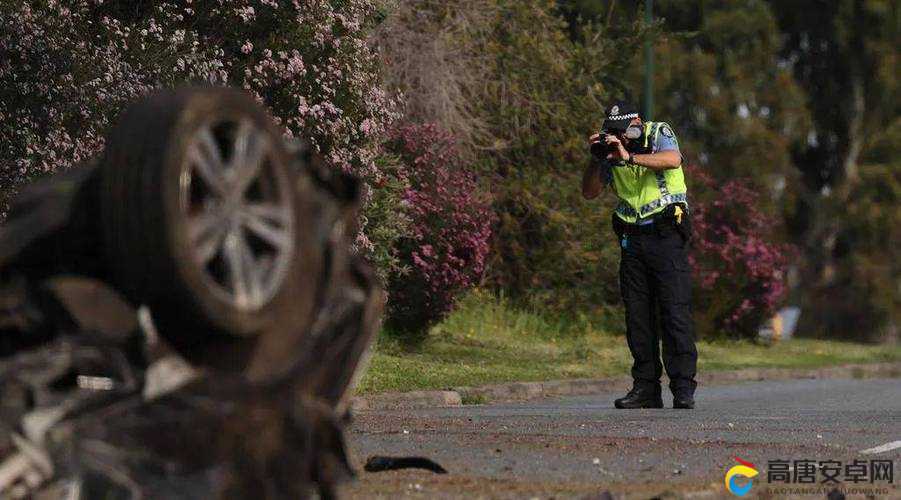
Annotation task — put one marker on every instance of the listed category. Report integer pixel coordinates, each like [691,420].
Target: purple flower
[451,218]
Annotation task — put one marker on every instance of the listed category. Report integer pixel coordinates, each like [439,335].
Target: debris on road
[381,463]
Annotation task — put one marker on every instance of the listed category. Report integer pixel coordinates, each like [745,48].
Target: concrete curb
[521,391]
[413,399]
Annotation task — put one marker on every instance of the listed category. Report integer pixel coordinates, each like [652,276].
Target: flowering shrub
[739,269]
[387,218]
[448,241]
[68,67]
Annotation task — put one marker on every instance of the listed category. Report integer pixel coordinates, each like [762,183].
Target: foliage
[738,114]
[797,97]
[518,95]
[865,275]
[773,93]
[536,89]
[845,55]
[489,339]
[386,218]
[430,55]
[537,97]
[739,270]
[447,244]
[68,67]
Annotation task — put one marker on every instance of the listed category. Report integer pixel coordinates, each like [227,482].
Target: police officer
[643,163]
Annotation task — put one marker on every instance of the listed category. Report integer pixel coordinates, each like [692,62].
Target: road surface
[581,447]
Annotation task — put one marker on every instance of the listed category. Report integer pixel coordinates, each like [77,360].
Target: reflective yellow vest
[643,192]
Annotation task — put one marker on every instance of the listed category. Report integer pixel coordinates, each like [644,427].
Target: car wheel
[199,215]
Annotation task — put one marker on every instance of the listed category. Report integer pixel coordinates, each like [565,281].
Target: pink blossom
[449,241]
[737,259]
[61,114]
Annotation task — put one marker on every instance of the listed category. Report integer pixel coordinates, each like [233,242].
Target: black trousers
[655,282]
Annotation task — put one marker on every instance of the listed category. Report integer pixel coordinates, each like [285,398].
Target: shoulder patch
[665,130]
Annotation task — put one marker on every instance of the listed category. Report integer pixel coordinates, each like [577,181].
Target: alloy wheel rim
[239,217]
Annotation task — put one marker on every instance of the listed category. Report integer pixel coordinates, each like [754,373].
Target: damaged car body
[183,316]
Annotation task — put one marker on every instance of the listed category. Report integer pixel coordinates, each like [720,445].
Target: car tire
[200,221]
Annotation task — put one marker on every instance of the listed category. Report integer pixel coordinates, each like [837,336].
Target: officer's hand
[594,138]
[620,152]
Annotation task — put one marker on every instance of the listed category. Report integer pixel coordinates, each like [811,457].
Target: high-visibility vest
[643,192]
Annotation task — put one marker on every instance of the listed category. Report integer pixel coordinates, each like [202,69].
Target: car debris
[379,463]
[182,316]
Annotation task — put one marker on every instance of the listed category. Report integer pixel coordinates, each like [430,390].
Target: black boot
[683,401]
[641,397]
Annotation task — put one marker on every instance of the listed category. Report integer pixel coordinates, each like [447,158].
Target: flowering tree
[68,67]
[739,268]
[450,228]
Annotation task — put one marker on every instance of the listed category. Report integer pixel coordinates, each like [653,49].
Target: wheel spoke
[253,273]
[269,212]
[207,160]
[237,255]
[269,222]
[250,148]
[206,232]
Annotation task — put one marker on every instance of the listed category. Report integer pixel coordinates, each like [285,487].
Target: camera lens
[599,150]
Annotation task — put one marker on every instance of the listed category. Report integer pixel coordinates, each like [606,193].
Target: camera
[601,149]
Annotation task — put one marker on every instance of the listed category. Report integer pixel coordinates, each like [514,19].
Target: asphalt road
[582,447]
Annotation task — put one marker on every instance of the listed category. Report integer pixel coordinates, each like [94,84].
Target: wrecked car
[182,316]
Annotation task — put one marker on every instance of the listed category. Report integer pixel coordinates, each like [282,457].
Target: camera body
[601,149]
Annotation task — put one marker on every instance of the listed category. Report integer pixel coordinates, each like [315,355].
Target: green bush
[862,300]
[543,97]
[520,97]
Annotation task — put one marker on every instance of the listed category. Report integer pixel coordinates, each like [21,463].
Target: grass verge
[487,341]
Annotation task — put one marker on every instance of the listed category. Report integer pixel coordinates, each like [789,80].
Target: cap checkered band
[622,117]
